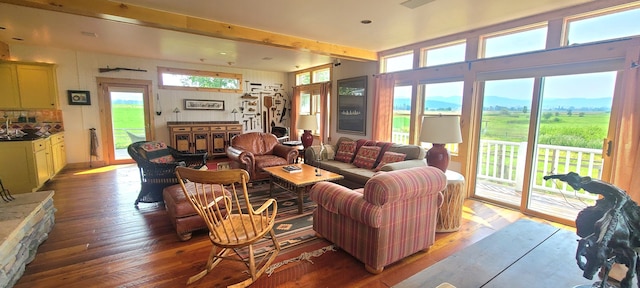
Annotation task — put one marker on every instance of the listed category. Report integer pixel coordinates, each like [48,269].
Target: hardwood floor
[101,240]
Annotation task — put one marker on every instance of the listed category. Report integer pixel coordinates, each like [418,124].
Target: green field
[127,117]
[584,130]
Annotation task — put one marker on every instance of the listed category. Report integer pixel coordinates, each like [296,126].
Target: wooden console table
[203,136]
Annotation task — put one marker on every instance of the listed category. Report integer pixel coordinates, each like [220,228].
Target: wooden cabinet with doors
[28,86]
[197,137]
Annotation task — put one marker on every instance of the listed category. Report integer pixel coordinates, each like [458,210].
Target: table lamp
[307,123]
[440,130]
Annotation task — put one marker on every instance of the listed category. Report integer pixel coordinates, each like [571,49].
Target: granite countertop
[13,214]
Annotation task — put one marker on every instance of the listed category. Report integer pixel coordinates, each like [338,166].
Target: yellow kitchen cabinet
[59,155]
[28,86]
[42,159]
[9,86]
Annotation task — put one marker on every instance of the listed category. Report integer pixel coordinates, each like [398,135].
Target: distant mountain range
[440,103]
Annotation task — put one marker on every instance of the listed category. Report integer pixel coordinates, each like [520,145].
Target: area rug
[291,228]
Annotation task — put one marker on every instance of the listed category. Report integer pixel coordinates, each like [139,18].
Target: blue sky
[592,85]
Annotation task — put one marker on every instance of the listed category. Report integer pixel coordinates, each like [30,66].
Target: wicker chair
[157,163]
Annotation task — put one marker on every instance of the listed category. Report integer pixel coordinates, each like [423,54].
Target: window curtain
[627,162]
[295,111]
[383,108]
[325,89]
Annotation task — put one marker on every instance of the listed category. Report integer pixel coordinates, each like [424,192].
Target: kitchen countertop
[22,139]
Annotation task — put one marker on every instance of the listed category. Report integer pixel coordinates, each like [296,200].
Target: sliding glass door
[565,118]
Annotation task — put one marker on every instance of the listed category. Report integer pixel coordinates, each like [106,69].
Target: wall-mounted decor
[77,97]
[352,105]
[191,104]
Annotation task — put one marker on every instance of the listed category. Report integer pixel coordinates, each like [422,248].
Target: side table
[450,213]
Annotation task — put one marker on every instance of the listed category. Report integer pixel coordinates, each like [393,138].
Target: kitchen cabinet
[58,154]
[27,165]
[198,137]
[28,86]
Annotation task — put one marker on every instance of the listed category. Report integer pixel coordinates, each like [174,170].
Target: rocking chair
[221,199]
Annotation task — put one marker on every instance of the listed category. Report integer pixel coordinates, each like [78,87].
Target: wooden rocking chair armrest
[266,205]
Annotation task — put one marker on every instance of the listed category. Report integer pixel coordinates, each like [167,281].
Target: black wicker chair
[155,176]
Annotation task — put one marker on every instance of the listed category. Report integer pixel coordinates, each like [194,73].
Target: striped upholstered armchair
[392,217]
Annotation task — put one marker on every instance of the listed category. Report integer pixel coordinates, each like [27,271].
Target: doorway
[566,119]
[125,116]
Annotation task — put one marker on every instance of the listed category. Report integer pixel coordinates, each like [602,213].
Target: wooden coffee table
[299,182]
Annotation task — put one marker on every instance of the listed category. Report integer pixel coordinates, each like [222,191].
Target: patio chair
[157,163]
[221,199]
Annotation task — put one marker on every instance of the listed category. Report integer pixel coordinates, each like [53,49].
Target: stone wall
[24,224]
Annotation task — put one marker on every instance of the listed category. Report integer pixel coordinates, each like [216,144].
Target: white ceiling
[329,21]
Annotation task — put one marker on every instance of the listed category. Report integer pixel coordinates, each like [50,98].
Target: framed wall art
[352,105]
[77,97]
[191,104]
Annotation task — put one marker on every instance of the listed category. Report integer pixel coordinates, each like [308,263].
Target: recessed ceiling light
[267,58]
[2,28]
[17,39]
[366,21]
[223,53]
[89,34]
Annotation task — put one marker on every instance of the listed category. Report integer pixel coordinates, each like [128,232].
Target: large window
[600,26]
[513,42]
[401,115]
[184,79]
[442,98]
[397,62]
[313,75]
[444,54]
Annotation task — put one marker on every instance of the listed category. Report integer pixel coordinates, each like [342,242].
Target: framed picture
[77,97]
[352,105]
[191,104]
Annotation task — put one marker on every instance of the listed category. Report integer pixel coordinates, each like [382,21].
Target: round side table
[450,213]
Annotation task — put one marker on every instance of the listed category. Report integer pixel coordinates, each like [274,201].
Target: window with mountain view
[442,98]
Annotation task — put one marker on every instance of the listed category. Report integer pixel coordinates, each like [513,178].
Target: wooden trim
[146,17]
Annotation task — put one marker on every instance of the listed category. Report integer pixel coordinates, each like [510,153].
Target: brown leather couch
[256,150]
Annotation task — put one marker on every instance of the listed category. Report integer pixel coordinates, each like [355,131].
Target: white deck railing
[502,163]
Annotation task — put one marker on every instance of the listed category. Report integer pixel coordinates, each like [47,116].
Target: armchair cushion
[156,152]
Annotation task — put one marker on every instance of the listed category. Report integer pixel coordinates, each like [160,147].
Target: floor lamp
[440,130]
[307,123]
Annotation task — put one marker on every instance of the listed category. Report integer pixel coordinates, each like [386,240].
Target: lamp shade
[440,130]
[307,123]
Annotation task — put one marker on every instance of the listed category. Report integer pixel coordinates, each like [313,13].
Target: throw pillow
[156,152]
[345,151]
[330,152]
[366,157]
[390,157]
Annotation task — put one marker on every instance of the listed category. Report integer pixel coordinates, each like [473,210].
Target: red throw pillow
[366,157]
[390,157]
[345,151]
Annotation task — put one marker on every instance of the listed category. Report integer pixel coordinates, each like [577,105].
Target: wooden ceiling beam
[137,15]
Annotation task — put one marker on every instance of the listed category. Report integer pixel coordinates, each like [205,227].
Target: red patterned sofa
[392,217]
[365,158]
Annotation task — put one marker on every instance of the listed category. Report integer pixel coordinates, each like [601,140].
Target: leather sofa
[256,150]
[355,176]
[392,217]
